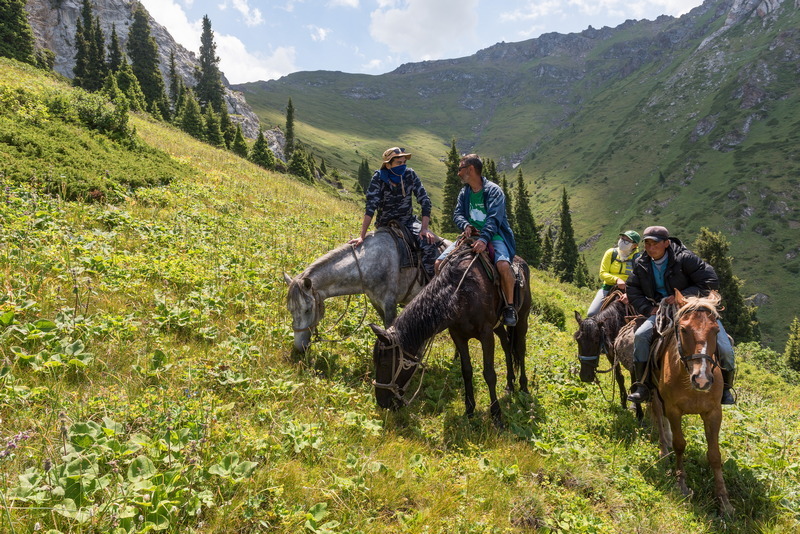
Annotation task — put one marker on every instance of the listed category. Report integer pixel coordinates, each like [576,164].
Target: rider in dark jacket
[668,265]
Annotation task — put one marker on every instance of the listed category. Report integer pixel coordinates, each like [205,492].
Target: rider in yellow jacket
[615,267]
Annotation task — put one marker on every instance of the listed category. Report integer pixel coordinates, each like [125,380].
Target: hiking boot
[509,316]
[641,389]
[727,396]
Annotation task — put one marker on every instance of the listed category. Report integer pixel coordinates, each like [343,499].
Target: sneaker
[509,316]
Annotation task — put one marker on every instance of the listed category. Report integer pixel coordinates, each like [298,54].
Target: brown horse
[463,299]
[596,335]
[689,380]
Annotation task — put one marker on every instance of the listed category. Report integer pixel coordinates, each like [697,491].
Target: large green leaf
[141,468]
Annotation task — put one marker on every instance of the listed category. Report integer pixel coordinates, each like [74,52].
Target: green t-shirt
[477,213]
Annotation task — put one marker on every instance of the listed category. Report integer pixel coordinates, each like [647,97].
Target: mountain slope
[686,122]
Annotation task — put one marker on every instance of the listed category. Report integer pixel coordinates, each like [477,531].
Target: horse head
[394,368]
[306,307]
[696,332]
[590,337]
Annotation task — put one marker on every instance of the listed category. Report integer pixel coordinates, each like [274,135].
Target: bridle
[403,360]
[687,359]
[319,311]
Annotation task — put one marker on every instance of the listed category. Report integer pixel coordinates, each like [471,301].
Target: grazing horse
[372,268]
[597,334]
[689,380]
[463,299]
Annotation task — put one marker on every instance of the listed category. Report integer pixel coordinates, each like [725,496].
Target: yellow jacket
[612,267]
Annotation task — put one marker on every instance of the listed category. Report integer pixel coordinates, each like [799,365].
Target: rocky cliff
[53,23]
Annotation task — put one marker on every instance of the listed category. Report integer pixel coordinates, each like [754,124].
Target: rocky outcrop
[53,23]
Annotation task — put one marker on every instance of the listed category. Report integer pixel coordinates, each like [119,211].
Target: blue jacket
[496,221]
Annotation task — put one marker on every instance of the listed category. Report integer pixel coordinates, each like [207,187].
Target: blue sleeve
[461,211]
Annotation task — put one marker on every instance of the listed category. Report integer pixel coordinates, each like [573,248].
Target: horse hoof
[725,508]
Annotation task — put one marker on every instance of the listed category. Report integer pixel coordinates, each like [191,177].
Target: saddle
[407,244]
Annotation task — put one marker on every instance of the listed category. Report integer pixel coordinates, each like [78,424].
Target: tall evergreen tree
[175,80]
[289,133]
[298,165]
[213,133]
[191,119]
[98,67]
[490,171]
[114,51]
[739,318]
[547,250]
[239,145]
[364,175]
[582,278]
[261,154]
[129,85]
[792,350]
[90,61]
[509,203]
[16,37]
[529,244]
[227,126]
[209,88]
[143,53]
[79,71]
[452,186]
[565,256]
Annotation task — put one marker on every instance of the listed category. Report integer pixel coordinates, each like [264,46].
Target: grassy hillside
[147,382]
[640,124]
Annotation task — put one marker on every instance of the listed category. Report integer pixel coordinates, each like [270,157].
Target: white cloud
[241,66]
[252,16]
[318,34]
[174,19]
[343,3]
[423,29]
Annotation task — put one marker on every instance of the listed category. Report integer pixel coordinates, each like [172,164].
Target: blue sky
[262,40]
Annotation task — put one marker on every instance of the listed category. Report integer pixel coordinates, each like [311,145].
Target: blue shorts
[500,251]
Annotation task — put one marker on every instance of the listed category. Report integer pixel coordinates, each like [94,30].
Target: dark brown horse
[689,380]
[596,335]
[463,299]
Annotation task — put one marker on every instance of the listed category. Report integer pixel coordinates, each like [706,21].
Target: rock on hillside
[53,25]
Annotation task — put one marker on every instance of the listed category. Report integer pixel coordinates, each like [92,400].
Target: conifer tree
[509,203]
[490,171]
[364,175]
[792,350]
[739,318]
[81,56]
[114,51]
[174,80]
[547,250]
[529,244]
[209,88]
[129,85]
[298,165]
[16,36]
[213,133]
[191,120]
[90,61]
[565,256]
[112,91]
[239,145]
[227,126]
[452,186]
[143,53]
[582,278]
[98,67]
[261,154]
[289,133]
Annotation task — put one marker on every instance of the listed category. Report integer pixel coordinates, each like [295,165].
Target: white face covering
[625,248]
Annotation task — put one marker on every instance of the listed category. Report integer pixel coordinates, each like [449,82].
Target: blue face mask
[394,174]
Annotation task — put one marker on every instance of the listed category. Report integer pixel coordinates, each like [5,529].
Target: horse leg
[507,350]
[623,394]
[661,424]
[712,423]
[518,336]
[679,446]
[490,375]
[462,347]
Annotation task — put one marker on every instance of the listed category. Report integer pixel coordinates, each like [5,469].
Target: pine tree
[112,91]
[129,85]
[90,61]
[547,250]
[739,318]
[509,203]
[582,278]
[114,51]
[239,145]
[143,53]
[298,165]
[529,244]
[213,133]
[261,154]
[490,171]
[98,67]
[565,257]
[792,350]
[174,80]
[289,133]
[452,187]
[364,175]
[81,56]
[16,36]
[209,88]
[191,120]
[227,126]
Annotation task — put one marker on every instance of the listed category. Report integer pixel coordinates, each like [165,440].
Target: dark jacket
[496,221]
[685,272]
[393,202]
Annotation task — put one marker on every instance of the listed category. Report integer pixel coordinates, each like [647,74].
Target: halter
[690,358]
[404,361]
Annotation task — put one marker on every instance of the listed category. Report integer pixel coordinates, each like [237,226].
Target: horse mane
[710,303]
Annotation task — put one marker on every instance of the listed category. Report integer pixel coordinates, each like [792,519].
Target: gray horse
[372,268]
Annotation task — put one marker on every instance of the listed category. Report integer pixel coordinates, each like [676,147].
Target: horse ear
[383,335]
[578,317]
[680,300]
[287,279]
